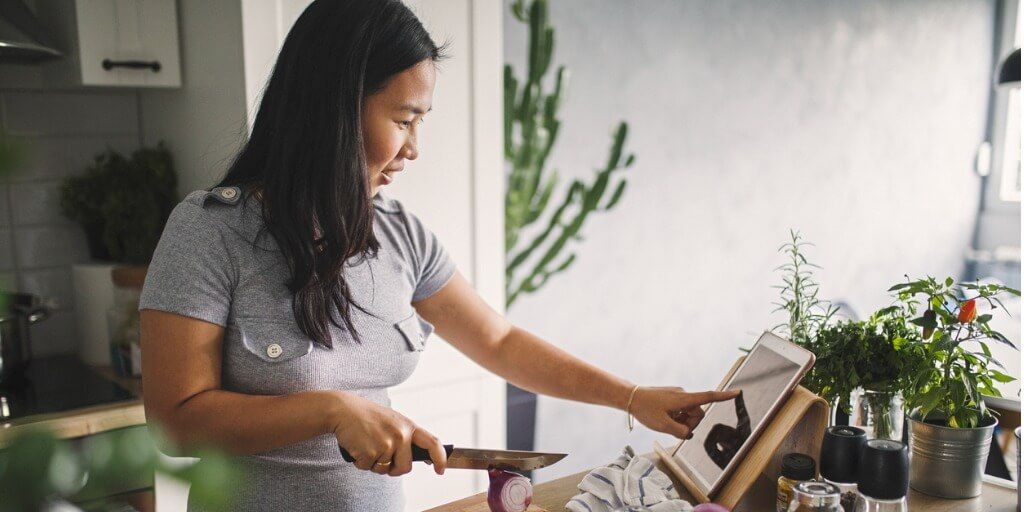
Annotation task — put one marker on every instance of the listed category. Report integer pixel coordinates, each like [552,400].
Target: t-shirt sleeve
[434,267]
[192,273]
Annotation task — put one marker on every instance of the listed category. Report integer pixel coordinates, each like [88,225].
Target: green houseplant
[40,472]
[950,425]
[531,129]
[869,359]
[122,203]
[806,313]
[540,228]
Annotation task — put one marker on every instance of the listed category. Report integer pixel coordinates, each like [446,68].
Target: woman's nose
[410,151]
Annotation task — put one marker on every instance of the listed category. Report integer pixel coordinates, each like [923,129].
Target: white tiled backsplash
[63,132]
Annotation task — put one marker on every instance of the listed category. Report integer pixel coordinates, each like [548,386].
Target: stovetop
[58,384]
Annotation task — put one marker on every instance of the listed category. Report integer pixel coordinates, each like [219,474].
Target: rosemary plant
[807,314]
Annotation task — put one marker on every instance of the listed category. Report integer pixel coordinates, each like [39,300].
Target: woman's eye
[407,124]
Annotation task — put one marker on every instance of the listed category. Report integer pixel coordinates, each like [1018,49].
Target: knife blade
[472,458]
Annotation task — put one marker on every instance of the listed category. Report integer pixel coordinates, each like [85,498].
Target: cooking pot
[17,312]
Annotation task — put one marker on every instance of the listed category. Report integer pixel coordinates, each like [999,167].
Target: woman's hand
[672,410]
[379,438]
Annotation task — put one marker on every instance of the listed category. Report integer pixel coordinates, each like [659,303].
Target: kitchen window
[995,247]
[1007,170]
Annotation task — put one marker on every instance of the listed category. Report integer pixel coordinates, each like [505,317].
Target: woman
[282,304]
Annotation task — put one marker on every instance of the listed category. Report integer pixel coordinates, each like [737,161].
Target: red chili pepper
[968,311]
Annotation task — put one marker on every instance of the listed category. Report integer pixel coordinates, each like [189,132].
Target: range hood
[22,38]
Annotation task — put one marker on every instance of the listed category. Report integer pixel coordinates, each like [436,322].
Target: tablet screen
[763,378]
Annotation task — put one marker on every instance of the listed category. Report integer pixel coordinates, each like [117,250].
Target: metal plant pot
[948,462]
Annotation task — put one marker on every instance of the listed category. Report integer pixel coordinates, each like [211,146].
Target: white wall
[203,122]
[855,122]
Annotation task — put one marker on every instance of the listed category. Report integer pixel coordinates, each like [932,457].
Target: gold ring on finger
[388,463]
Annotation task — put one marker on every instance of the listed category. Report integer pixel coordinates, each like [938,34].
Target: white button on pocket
[415,331]
[228,193]
[272,340]
[274,350]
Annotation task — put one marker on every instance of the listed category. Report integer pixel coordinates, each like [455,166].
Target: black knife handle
[418,454]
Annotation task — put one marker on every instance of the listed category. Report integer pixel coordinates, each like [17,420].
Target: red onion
[508,492]
[710,507]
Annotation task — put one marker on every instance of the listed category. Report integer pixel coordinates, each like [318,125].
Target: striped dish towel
[630,483]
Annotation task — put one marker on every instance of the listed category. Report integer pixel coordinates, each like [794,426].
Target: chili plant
[950,389]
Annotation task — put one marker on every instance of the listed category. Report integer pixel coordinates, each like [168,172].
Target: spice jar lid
[840,453]
[798,466]
[816,494]
[884,470]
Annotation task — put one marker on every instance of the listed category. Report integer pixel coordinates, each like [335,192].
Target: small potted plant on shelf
[122,204]
[950,427]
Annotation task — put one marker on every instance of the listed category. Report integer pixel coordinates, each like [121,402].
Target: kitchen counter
[84,421]
[999,496]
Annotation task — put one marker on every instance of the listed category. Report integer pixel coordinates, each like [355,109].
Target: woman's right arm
[182,358]
[183,396]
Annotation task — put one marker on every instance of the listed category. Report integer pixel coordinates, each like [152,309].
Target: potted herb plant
[950,427]
[122,204]
[861,367]
[864,368]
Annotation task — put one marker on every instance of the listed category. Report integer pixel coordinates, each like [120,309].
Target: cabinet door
[123,33]
[460,413]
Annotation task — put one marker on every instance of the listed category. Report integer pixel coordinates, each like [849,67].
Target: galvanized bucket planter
[948,462]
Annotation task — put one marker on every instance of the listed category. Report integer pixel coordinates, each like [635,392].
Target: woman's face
[391,120]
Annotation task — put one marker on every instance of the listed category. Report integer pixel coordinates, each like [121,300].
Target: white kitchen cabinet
[128,42]
[112,43]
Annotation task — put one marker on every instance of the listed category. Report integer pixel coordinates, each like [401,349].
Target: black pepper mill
[884,476]
[840,461]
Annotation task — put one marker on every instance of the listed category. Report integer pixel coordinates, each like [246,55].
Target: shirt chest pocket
[273,341]
[414,331]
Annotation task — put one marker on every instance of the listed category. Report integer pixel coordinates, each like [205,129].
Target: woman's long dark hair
[305,154]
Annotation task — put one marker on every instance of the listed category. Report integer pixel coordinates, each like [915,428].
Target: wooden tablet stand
[797,426]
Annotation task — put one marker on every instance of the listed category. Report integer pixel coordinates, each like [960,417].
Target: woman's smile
[388,175]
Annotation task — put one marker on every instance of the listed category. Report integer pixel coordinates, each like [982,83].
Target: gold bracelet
[629,405]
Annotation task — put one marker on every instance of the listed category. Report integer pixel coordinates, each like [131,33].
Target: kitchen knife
[470,458]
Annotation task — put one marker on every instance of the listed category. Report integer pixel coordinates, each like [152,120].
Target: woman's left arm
[469,324]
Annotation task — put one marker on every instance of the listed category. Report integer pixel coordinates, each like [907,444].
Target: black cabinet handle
[131,64]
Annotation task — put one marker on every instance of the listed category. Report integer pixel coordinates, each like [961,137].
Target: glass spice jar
[796,468]
[815,497]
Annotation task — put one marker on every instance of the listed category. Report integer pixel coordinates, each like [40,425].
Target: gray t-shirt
[207,267]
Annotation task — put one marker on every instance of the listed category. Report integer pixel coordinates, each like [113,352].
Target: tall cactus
[531,128]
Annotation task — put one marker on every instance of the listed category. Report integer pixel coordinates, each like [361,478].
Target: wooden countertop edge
[79,422]
[552,496]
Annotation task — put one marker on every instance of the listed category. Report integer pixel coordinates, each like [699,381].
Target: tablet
[770,371]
